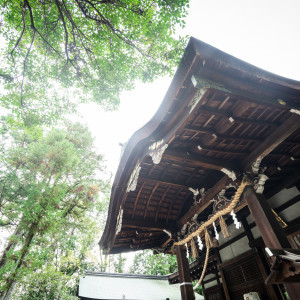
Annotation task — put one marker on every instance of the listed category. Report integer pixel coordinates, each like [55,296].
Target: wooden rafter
[256,100]
[121,248]
[213,149]
[160,202]
[273,140]
[182,156]
[149,199]
[221,136]
[279,135]
[149,225]
[204,203]
[238,88]
[155,180]
[236,119]
[136,199]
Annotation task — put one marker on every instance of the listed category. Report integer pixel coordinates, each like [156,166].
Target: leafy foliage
[119,264]
[49,284]
[145,262]
[63,51]
[48,197]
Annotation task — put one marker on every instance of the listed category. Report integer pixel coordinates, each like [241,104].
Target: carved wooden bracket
[285,266]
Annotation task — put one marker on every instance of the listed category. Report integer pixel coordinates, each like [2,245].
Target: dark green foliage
[49,197]
[48,284]
[119,263]
[63,51]
[145,262]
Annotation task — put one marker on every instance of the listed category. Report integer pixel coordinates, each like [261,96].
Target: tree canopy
[58,52]
[146,263]
[48,204]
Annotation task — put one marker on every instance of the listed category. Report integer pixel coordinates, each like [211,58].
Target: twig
[117,32]
[24,67]
[7,77]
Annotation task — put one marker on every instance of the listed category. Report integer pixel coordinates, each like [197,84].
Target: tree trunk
[9,246]
[11,281]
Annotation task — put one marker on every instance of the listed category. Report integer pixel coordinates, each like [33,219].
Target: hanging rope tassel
[203,270]
[173,250]
[208,240]
[216,232]
[194,249]
[200,244]
[224,227]
[222,212]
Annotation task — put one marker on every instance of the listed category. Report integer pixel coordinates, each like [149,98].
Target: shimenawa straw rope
[204,226]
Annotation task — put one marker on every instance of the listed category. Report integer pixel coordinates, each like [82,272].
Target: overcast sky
[262,32]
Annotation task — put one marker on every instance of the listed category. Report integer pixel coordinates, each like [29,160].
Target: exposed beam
[149,199]
[155,181]
[205,202]
[293,226]
[263,149]
[238,87]
[221,136]
[213,149]
[136,200]
[237,237]
[122,248]
[137,239]
[287,204]
[166,242]
[236,119]
[273,140]
[149,225]
[160,202]
[286,182]
[182,156]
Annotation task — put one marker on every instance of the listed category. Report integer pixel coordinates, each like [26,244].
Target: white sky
[265,33]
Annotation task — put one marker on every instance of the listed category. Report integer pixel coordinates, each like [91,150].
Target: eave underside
[222,128]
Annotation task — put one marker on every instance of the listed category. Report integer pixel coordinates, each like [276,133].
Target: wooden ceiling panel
[232,122]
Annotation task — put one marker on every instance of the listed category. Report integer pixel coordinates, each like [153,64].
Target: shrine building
[214,176]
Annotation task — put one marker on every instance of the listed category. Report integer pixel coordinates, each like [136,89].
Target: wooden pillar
[219,283]
[271,232]
[261,261]
[186,287]
[219,261]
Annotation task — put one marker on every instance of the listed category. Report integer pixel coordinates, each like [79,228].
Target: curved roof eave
[212,62]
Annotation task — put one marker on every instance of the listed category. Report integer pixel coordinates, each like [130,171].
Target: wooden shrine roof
[220,114]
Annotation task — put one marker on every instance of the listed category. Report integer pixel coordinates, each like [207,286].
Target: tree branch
[6,77]
[29,49]
[65,29]
[114,30]
[24,66]
[23,30]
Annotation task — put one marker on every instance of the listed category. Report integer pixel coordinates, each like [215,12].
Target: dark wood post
[219,261]
[262,262]
[186,288]
[271,232]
